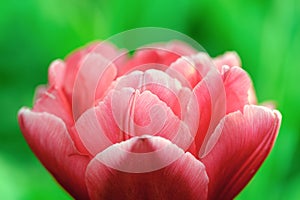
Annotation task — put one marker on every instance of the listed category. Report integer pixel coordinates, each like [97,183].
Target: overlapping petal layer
[49,139]
[146,168]
[166,123]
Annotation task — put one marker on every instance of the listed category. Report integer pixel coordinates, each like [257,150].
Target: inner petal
[167,89]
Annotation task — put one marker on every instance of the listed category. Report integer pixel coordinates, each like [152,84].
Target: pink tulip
[166,123]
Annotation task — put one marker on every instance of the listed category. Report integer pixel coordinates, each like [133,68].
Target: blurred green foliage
[266,34]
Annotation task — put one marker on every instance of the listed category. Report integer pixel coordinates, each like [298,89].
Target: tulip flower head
[168,122]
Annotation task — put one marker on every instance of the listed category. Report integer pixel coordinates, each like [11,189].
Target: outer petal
[237,83]
[56,74]
[96,129]
[74,61]
[54,101]
[39,92]
[95,70]
[48,138]
[146,168]
[211,97]
[242,146]
[230,58]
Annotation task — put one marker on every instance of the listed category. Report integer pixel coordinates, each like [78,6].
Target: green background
[266,34]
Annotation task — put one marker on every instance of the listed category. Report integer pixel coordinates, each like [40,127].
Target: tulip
[165,123]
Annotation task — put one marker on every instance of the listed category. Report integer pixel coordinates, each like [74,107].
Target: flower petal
[142,58]
[252,95]
[39,92]
[180,48]
[75,60]
[166,88]
[91,133]
[161,54]
[184,71]
[146,167]
[56,74]
[211,97]
[48,138]
[230,59]
[144,113]
[242,142]
[112,120]
[53,101]
[237,84]
[94,71]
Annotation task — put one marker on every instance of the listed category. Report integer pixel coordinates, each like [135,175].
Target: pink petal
[95,70]
[171,51]
[229,58]
[243,142]
[140,113]
[57,74]
[202,62]
[146,168]
[205,113]
[185,72]
[142,57]
[252,96]
[137,114]
[74,62]
[180,48]
[39,92]
[237,84]
[181,100]
[119,57]
[91,133]
[48,138]
[54,101]
[107,50]
[211,97]
[161,54]
[144,113]
[156,81]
